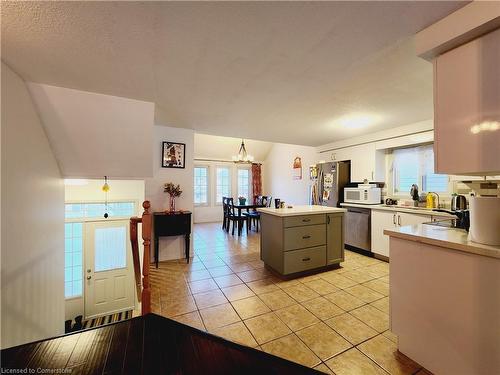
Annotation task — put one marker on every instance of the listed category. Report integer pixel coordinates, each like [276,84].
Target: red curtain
[256,179]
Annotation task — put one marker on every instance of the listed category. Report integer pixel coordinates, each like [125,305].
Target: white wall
[278,179]
[32,257]
[223,148]
[171,247]
[95,135]
[213,211]
[120,190]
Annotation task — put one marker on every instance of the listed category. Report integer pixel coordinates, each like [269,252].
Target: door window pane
[244,183]
[223,188]
[200,185]
[110,247]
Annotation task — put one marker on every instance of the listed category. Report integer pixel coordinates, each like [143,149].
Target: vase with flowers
[242,200]
[174,191]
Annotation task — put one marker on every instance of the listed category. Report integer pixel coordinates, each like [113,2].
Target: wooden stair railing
[143,287]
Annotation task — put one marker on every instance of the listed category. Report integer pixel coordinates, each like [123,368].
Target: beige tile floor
[336,321]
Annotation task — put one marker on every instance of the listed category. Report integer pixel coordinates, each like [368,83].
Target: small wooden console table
[166,224]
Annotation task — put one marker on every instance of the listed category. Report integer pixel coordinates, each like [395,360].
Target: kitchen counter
[451,238]
[300,210]
[410,210]
[444,299]
[297,240]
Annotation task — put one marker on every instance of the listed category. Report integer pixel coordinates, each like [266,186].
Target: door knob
[89,277]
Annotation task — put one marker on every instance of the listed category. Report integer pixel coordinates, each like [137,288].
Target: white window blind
[415,165]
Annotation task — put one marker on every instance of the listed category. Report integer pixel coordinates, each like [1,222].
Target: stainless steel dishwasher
[358,228]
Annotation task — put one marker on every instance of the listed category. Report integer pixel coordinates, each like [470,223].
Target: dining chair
[225,210]
[234,218]
[264,201]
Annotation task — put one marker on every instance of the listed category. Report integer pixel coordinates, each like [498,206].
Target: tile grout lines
[364,282]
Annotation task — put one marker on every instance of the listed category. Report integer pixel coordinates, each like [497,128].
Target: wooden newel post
[146,236]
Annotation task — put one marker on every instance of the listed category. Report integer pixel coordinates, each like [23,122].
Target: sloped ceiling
[276,71]
[94,135]
[223,148]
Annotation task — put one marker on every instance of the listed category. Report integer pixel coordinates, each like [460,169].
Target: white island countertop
[451,238]
[301,210]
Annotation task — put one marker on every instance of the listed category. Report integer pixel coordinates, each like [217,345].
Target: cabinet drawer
[298,221]
[308,236]
[304,259]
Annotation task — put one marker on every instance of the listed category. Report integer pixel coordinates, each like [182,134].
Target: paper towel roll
[485,220]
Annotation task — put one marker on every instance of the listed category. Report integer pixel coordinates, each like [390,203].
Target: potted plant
[242,200]
[174,191]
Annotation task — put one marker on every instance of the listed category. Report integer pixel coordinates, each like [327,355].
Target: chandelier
[243,157]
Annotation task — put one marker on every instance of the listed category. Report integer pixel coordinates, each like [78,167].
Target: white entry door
[108,273]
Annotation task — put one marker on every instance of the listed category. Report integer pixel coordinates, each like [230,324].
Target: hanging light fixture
[105,189]
[243,157]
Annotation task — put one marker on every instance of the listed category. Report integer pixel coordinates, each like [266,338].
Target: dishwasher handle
[362,211]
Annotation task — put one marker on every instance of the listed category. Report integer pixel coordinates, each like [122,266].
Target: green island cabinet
[301,238]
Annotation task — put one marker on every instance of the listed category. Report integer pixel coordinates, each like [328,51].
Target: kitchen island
[444,299]
[301,239]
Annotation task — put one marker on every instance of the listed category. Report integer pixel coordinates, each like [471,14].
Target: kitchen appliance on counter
[358,228]
[485,220]
[363,194]
[328,185]
[458,202]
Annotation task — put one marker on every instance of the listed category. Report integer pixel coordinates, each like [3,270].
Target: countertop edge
[399,209]
[286,212]
[471,248]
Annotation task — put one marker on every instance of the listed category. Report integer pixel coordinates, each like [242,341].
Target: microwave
[362,195]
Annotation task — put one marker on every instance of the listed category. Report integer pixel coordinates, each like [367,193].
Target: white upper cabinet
[366,162]
[467,108]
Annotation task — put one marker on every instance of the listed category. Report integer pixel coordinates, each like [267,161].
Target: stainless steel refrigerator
[328,182]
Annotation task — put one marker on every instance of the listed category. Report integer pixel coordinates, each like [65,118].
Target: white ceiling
[274,71]
[223,148]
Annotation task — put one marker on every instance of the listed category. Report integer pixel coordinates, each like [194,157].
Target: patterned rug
[106,319]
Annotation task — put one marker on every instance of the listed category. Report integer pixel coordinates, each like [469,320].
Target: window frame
[208,202]
[250,192]
[230,182]
[392,176]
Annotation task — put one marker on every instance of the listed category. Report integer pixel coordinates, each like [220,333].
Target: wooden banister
[143,288]
[134,221]
[146,237]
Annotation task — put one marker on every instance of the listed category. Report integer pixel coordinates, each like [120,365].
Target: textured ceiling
[223,148]
[274,71]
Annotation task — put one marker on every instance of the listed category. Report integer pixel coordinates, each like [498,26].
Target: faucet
[437,195]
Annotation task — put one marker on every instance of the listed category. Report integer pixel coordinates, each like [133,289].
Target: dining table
[246,207]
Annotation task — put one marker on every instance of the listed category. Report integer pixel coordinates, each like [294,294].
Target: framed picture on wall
[173,155]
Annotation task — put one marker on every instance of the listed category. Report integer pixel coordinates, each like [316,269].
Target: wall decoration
[297,168]
[173,155]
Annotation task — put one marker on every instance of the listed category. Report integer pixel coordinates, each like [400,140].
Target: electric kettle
[458,202]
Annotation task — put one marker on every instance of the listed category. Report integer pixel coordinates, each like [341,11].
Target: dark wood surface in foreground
[148,344]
